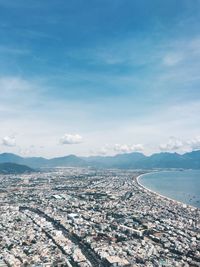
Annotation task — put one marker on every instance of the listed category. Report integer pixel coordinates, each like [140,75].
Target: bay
[183,186]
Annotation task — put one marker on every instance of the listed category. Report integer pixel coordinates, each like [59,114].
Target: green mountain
[134,160]
[127,160]
[67,161]
[13,168]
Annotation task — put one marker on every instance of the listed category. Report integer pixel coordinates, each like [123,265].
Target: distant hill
[38,162]
[9,157]
[127,160]
[134,160]
[67,161]
[13,168]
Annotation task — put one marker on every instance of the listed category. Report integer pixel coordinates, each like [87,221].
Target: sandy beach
[158,195]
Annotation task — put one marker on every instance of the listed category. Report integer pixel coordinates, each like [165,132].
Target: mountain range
[13,168]
[135,160]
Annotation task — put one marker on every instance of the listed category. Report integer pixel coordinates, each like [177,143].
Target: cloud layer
[70,139]
[9,141]
[128,148]
[124,82]
[176,144]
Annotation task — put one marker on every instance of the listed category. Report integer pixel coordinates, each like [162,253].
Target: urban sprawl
[84,217]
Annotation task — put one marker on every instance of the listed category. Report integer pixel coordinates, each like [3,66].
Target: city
[99,133]
[87,217]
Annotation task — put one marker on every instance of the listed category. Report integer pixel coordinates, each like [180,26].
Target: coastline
[158,195]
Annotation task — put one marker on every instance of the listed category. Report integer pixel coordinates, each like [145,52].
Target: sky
[99,77]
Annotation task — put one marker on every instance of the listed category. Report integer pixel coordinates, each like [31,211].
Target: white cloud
[69,139]
[172,145]
[130,117]
[183,51]
[103,151]
[17,93]
[9,141]
[176,144]
[124,148]
[14,84]
[117,148]
[172,59]
[194,143]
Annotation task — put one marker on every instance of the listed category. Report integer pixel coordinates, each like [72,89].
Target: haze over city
[99,77]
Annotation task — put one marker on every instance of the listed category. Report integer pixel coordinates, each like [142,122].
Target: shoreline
[158,195]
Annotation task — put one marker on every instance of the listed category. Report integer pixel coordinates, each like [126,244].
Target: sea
[183,186]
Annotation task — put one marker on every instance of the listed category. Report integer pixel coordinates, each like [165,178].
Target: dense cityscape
[86,217]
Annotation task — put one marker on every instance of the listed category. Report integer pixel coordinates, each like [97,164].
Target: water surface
[183,186]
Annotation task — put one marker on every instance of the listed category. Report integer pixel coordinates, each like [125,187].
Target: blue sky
[99,77]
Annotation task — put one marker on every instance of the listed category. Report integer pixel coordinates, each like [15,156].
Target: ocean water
[183,186]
